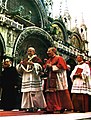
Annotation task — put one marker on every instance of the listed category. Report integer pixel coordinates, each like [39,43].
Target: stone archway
[32,36]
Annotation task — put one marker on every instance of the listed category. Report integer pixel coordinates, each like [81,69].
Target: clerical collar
[30,57]
[80,62]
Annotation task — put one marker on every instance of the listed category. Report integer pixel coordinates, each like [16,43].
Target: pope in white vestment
[32,89]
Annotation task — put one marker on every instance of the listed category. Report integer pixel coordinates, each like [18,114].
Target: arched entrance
[32,36]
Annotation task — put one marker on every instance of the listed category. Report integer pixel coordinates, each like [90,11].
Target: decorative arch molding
[2,42]
[2,51]
[42,12]
[32,36]
[77,42]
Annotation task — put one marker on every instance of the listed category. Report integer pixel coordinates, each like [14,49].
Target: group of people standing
[44,86]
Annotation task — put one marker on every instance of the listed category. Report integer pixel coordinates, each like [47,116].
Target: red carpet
[22,115]
[18,113]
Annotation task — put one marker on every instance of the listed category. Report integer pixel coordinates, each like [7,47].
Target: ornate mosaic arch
[32,36]
[38,17]
[61,30]
[76,41]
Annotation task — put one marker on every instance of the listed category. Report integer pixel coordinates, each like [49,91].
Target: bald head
[51,51]
[31,51]
[31,48]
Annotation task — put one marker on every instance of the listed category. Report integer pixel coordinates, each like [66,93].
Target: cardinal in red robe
[55,84]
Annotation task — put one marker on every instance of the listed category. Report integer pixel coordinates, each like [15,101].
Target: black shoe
[23,109]
[48,112]
[62,110]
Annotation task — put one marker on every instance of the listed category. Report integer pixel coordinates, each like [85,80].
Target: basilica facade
[28,23]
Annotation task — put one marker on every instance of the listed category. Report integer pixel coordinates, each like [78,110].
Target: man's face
[50,53]
[30,52]
[79,59]
[6,64]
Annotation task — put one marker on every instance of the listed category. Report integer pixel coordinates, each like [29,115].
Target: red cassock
[55,85]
